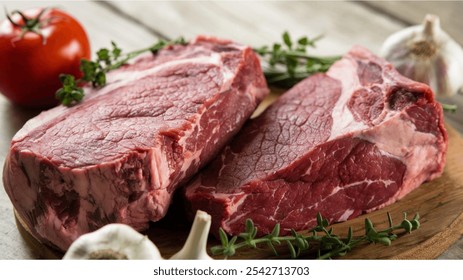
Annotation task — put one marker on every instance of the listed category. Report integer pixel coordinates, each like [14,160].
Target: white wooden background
[136,25]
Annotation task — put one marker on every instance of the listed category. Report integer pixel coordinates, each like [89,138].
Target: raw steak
[119,155]
[343,143]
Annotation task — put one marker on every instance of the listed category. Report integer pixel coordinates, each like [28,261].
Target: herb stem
[287,63]
[329,244]
[300,54]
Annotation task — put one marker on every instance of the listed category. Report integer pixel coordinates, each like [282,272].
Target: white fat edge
[345,215]
[233,207]
[123,78]
[234,204]
[344,71]
[228,77]
[159,168]
[191,157]
[414,149]
[42,118]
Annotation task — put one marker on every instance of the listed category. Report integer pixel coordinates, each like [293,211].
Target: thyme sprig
[320,238]
[289,62]
[94,72]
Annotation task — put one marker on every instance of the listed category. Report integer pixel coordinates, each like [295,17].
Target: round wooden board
[439,203]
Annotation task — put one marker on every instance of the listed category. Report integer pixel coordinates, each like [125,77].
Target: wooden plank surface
[258,23]
[413,12]
[137,24]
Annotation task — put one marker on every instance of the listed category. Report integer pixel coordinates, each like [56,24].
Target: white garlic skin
[195,245]
[427,54]
[119,238]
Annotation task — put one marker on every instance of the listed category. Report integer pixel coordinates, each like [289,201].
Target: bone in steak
[119,155]
[343,143]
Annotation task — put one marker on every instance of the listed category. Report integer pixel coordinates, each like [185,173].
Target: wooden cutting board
[439,203]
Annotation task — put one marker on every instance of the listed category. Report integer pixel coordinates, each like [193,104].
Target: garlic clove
[119,241]
[427,54]
[113,241]
[195,245]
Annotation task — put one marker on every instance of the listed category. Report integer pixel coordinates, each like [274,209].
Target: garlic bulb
[119,241]
[113,242]
[195,245]
[427,54]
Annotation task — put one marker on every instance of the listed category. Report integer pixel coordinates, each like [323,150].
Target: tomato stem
[10,19]
[30,24]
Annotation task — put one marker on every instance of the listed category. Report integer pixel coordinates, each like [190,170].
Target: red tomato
[31,62]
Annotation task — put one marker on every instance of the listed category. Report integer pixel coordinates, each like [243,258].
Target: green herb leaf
[368,225]
[103,54]
[223,237]
[288,63]
[116,50]
[69,93]
[276,231]
[384,240]
[415,222]
[88,68]
[407,225]
[270,244]
[292,251]
[303,41]
[287,40]
[319,219]
[249,226]
[350,234]
[100,79]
